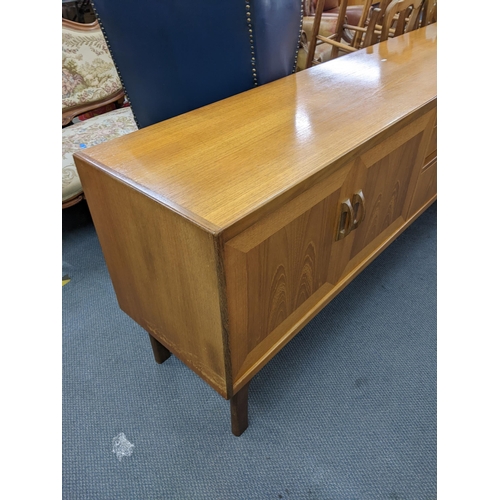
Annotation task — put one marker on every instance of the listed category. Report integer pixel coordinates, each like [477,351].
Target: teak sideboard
[226,229]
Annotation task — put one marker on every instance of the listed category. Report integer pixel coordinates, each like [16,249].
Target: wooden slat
[341,46]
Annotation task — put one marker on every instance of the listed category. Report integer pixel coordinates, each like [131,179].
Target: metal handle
[345,219]
[358,203]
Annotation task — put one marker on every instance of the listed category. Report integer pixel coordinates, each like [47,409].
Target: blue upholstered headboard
[174,56]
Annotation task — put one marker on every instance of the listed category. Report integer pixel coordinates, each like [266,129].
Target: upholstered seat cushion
[86,134]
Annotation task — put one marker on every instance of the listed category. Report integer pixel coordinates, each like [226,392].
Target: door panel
[426,188]
[288,268]
[270,281]
[274,267]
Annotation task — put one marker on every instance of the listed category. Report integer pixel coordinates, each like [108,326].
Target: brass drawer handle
[345,219]
[358,203]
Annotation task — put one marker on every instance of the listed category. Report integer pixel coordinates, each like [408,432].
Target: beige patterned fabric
[86,134]
[88,72]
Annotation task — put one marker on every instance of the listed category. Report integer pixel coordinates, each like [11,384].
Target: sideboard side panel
[164,272]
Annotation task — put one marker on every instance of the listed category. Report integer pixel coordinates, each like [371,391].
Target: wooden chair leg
[239,411]
[160,352]
[315,30]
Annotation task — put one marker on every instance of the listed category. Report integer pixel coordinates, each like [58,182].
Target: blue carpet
[347,410]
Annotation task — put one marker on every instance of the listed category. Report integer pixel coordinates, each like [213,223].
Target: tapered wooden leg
[160,351]
[239,411]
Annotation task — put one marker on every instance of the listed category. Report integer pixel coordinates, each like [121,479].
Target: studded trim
[253,61]
[114,61]
[300,33]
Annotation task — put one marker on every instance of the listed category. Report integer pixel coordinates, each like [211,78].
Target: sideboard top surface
[220,163]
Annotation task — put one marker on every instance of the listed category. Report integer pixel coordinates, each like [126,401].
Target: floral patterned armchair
[92,96]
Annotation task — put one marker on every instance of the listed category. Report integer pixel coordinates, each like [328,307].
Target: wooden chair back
[429,12]
[348,38]
[401,16]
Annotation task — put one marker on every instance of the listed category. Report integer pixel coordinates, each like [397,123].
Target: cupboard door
[276,270]
[385,176]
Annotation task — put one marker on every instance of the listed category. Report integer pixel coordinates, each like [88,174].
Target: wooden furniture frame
[429,12]
[375,25]
[364,32]
[73,201]
[226,229]
[401,16]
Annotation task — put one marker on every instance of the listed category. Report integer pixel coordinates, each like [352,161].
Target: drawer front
[282,270]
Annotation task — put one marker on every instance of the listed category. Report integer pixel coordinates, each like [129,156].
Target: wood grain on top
[219,163]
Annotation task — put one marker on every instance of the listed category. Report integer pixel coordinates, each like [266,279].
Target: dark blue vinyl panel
[174,56]
[277,25]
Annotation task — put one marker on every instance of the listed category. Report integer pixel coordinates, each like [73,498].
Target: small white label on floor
[122,446]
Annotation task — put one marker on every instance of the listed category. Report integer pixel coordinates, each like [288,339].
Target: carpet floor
[347,410]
